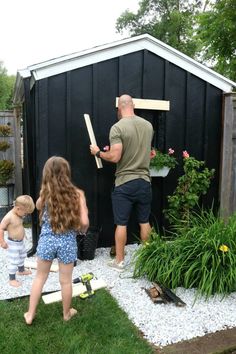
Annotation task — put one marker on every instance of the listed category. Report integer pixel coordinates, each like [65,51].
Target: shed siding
[193,123]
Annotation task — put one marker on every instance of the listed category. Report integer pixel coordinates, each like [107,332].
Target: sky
[33,31]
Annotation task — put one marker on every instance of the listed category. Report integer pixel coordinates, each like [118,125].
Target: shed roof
[115,49]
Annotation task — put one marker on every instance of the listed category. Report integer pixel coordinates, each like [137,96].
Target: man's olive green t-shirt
[135,134]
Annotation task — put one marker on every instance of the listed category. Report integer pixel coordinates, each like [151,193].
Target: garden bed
[161,324]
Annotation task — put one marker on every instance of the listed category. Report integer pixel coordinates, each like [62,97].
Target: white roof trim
[19,86]
[126,46]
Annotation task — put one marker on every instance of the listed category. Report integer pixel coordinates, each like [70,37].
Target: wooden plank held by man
[92,138]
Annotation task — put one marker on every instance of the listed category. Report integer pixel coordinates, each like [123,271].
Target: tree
[6,88]
[204,30]
[171,21]
[217,31]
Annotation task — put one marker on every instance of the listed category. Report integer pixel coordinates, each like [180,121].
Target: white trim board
[126,46]
[77,289]
[33,264]
[140,103]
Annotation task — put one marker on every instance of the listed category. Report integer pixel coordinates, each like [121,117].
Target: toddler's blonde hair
[25,201]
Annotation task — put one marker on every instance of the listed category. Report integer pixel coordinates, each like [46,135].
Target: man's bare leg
[120,239]
[145,230]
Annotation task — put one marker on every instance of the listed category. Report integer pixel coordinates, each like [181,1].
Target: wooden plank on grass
[77,289]
[158,105]
[33,264]
[92,138]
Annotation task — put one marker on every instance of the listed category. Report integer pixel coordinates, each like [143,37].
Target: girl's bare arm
[84,220]
[39,204]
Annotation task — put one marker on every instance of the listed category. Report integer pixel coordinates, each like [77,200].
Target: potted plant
[6,167]
[6,171]
[161,163]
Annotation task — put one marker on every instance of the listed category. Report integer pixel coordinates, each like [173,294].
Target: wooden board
[33,264]
[158,105]
[168,295]
[92,138]
[77,289]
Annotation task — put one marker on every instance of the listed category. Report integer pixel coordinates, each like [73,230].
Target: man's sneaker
[119,267]
[113,251]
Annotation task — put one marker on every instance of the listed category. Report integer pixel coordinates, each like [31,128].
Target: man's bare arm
[113,155]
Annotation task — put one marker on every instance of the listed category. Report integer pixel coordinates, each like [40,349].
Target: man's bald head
[125,100]
[125,106]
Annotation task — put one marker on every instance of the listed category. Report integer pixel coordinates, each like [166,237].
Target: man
[130,146]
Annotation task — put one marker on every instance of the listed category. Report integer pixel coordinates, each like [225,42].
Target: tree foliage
[6,88]
[217,31]
[204,30]
[171,21]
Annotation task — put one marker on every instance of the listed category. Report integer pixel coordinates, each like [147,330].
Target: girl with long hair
[62,213]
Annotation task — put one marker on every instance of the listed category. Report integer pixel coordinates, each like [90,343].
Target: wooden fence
[14,152]
[228,165]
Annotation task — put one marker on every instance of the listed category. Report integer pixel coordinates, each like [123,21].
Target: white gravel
[161,324]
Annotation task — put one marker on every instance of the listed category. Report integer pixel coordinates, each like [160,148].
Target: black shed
[56,94]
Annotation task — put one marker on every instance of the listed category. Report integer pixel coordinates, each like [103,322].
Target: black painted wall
[54,124]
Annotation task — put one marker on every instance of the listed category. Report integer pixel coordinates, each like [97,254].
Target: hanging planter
[161,163]
[163,172]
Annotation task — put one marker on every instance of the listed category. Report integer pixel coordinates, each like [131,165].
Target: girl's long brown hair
[60,196]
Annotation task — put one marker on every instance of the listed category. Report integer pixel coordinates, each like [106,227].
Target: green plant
[6,171]
[6,166]
[202,256]
[190,187]
[160,159]
[5,130]
[4,145]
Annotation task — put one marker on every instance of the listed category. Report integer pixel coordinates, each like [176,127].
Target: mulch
[221,342]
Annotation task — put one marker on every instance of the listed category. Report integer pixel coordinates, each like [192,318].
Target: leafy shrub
[190,187]
[202,256]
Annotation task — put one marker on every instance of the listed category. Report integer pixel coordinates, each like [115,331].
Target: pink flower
[106,148]
[185,154]
[152,153]
[171,151]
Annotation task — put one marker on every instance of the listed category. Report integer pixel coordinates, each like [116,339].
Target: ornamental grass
[202,256]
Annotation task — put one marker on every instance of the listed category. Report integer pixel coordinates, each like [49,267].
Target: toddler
[12,222]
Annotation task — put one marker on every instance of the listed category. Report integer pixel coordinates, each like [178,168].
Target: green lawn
[100,327]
